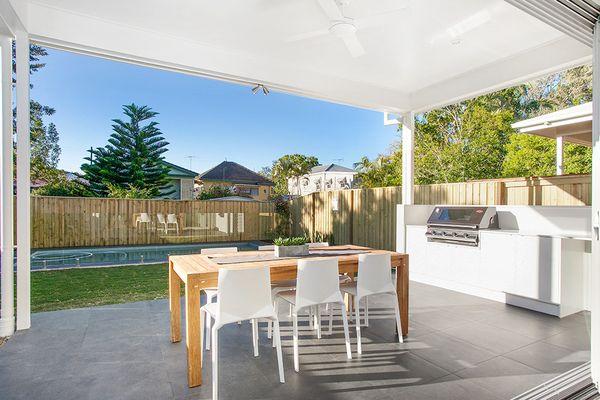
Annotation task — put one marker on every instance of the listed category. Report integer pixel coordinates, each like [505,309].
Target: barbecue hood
[462,217]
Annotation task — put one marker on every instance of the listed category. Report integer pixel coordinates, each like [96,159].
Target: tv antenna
[191,158]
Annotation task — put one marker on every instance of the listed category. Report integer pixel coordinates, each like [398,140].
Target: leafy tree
[385,170]
[215,192]
[288,166]
[133,157]
[63,187]
[266,172]
[473,139]
[45,150]
[460,142]
[529,155]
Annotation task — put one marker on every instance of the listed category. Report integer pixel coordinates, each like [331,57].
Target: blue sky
[207,119]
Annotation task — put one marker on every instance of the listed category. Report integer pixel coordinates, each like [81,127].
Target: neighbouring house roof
[229,171]
[331,168]
[574,124]
[176,171]
[232,198]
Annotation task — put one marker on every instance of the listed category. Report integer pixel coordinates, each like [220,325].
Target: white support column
[7,317]
[408,156]
[595,284]
[23,184]
[559,155]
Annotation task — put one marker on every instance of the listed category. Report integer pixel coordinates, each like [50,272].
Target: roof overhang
[574,124]
[426,54]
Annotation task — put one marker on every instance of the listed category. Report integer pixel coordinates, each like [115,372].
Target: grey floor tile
[437,318]
[549,358]
[494,339]
[573,339]
[450,353]
[503,377]
[124,352]
[535,325]
[450,387]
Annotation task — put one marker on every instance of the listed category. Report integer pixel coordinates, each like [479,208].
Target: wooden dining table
[199,271]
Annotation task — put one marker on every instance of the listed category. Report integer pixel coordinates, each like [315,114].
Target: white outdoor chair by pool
[171,219]
[314,245]
[374,277]
[317,284]
[266,247]
[143,218]
[243,294]
[211,292]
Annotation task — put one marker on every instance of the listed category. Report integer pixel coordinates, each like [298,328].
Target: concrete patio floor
[459,347]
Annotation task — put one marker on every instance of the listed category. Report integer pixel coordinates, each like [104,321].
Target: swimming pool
[130,255]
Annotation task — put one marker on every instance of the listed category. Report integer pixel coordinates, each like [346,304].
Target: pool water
[130,255]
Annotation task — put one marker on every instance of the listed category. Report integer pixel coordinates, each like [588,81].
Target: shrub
[290,241]
[64,187]
[214,192]
[129,192]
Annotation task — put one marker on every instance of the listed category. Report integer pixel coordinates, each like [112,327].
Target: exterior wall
[187,189]
[321,182]
[257,192]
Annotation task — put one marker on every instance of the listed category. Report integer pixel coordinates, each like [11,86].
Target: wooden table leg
[193,330]
[175,304]
[402,292]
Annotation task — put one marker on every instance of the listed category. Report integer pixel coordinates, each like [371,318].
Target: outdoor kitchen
[533,257]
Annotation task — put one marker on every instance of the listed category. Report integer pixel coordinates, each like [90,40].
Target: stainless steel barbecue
[460,224]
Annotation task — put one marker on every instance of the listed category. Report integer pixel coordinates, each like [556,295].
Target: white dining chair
[317,284]
[290,284]
[211,292]
[243,294]
[374,277]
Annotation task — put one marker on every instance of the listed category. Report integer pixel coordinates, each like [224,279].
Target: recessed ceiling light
[456,41]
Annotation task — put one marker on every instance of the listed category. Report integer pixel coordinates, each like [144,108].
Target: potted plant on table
[291,246]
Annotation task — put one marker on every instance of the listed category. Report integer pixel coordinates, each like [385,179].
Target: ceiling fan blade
[307,35]
[331,9]
[353,45]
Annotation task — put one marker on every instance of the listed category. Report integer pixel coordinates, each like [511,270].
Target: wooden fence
[367,217]
[77,222]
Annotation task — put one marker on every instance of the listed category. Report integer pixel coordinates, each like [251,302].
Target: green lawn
[85,287]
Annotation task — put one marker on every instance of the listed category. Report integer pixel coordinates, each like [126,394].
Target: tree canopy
[288,166]
[133,158]
[474,140]
[45,149]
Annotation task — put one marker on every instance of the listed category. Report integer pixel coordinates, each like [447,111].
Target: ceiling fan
[344,27]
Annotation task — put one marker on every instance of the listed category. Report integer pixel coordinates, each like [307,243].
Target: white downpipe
[408,157]
[7,319]
[595,285]
[23,184]
[559,155]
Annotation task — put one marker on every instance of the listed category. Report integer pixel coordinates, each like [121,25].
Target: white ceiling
[419,53]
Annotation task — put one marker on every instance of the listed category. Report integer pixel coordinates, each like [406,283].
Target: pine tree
[133,157]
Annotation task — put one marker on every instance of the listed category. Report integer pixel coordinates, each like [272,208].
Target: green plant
[214,192]
[65,188]
[290,241]
[133,156]
[129,192]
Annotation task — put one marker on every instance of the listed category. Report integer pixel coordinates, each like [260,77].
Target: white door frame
[595,284]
